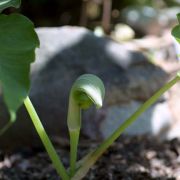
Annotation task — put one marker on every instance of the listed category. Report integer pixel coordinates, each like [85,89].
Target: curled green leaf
[87,90]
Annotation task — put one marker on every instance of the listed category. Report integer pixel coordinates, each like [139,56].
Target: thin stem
[45,140]
[74,139]
[6,127]
[103,147]
[74,126]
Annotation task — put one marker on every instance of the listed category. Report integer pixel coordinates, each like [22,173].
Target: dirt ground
[130,158]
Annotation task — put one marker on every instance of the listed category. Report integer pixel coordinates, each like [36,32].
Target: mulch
[130,158]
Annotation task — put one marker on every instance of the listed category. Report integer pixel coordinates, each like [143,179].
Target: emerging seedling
[88,89]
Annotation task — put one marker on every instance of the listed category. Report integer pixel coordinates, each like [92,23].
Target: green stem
[74,125]
[74,139]
[45,140]
[88,163]
[6,127]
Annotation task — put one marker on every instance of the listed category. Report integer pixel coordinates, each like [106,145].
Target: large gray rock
[155,121]
[64,54]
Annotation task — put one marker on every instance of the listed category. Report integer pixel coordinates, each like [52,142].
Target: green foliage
[88,89]
[176,30]
[18,41]
[9,3]
[178,17]
[176,33]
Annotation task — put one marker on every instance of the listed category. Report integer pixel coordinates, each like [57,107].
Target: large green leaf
[176,30]
[9,3]
[18,41]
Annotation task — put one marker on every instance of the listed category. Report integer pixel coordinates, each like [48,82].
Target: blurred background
[127,43]
[106,13]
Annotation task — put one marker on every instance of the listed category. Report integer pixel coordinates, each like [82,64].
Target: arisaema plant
[18,41]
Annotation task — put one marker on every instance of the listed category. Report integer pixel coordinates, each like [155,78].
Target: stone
[174,104]
[66,53]
[154,121]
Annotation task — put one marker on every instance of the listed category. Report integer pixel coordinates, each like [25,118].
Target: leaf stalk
[45,140]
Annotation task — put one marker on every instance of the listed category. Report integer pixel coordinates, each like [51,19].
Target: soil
[130,158]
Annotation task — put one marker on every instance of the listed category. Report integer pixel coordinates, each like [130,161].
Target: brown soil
[130,158]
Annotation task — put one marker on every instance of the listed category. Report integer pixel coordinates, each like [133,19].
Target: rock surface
[64,54]
[154,121]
